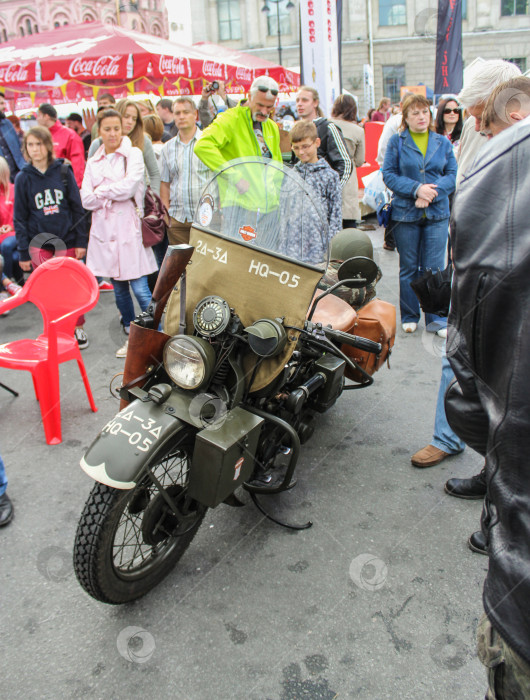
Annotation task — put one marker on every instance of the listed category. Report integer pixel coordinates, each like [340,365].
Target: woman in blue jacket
[420,169]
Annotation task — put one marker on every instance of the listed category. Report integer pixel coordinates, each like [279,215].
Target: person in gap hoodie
[66,143]
[304,238]
[48,216]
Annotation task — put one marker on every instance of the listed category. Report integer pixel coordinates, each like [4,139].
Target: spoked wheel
[128,541]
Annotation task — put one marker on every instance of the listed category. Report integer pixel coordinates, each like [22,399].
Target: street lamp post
[267,9]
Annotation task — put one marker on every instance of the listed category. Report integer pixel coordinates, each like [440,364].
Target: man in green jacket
[243,132]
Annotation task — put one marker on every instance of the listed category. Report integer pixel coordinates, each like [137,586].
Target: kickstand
[274,520]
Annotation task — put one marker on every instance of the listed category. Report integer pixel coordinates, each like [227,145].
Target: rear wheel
[128,541]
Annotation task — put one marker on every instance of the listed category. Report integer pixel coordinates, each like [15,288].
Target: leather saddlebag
[375,321]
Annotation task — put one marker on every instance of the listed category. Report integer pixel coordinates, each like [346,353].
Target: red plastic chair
[62,289]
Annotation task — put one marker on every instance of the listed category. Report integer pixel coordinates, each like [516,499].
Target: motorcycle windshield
[264,204]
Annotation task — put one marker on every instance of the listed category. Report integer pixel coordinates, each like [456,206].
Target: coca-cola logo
[102,67]
[212,69]
[244,74]
[13,73]
[173,65]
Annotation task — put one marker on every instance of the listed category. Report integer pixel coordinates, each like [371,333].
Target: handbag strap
[65,167]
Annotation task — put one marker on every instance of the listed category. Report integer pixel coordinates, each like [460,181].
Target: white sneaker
[409,327]
[122,352]
[442,332]
[82,338]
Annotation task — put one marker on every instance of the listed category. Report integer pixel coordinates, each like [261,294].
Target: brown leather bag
[375,321]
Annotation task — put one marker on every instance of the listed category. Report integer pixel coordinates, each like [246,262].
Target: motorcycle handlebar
[354,340]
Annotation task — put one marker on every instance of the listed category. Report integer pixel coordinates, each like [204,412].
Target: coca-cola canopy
[71,63]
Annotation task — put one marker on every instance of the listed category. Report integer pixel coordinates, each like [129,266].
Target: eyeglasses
[272,91]
[456,110]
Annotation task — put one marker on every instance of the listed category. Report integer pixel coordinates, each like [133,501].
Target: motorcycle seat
[334,312]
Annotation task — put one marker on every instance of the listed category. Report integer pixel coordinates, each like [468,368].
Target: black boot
[6,510]
[390,243]
[472,488]
[477,543]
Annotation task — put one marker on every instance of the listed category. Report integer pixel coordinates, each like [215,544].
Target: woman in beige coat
[344,114]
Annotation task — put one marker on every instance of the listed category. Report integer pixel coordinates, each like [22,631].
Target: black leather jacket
[489,349]
[333,149]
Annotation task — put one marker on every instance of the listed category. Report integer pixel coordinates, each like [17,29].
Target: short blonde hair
[184,99]
[303,130]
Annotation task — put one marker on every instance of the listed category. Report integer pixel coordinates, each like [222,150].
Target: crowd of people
[78,190]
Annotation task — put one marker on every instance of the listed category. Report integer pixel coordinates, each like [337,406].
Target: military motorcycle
[220,401]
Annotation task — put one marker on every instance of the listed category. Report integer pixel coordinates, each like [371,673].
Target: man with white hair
[479,84]
[489,406]
[243,131]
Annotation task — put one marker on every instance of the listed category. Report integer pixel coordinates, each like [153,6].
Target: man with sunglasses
[243,131]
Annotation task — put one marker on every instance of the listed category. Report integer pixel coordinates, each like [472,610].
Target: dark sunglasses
[456,110]
[272,91]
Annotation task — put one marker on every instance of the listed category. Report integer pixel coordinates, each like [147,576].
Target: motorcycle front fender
[128,442]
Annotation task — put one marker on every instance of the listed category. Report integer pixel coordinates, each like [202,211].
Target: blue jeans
[3,477]
[444,438]
[160,250]
[421,245]
[8,249]
[124,300]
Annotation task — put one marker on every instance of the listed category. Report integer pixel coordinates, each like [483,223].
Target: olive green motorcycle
[220,401]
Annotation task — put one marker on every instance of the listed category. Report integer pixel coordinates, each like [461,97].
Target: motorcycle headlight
[189,361]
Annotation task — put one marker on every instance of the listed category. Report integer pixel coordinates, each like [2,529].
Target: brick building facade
[18,19]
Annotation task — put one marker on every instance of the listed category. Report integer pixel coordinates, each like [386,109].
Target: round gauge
[211,316]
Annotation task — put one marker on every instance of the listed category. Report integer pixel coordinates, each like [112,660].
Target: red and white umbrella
[72,63]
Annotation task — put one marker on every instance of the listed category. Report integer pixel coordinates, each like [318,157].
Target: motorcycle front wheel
[128,541]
